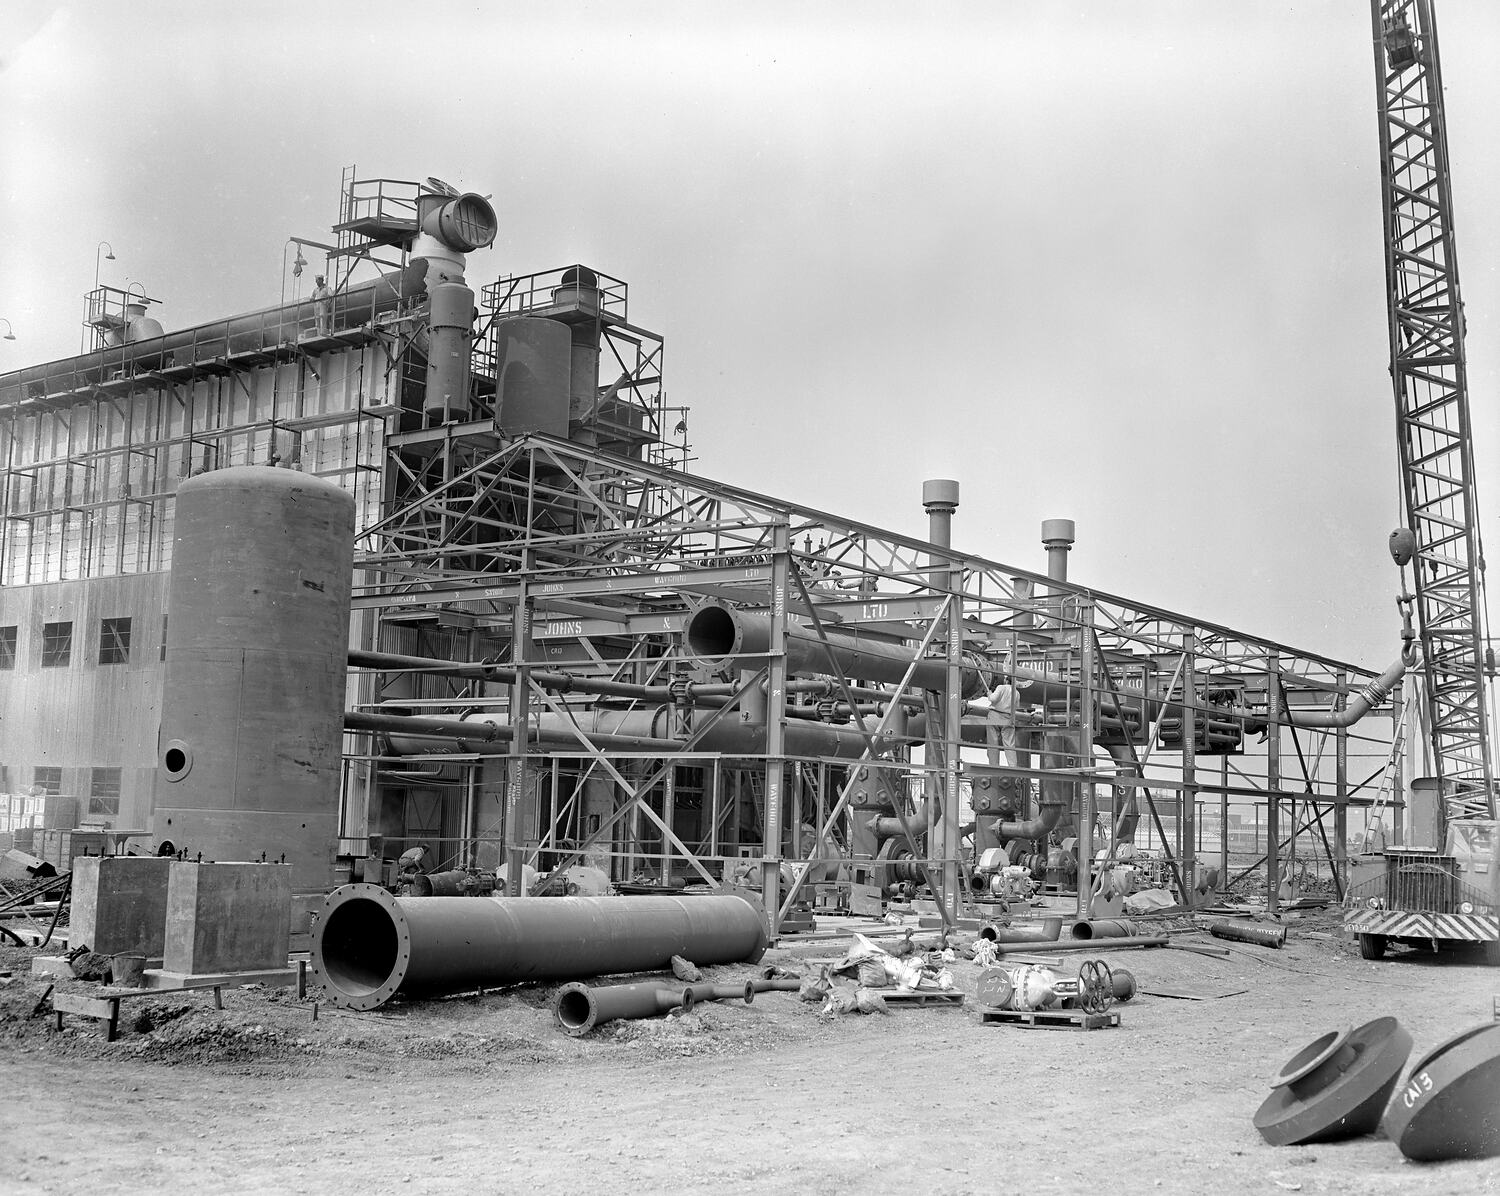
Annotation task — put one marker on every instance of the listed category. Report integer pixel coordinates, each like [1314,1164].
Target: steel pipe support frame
[368,945]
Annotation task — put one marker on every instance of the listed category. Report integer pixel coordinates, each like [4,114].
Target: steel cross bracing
[1431,391]
[598,546]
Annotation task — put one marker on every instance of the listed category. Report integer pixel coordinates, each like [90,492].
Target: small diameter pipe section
[1048,931]
[1111,928]
[368,945]
[776,984]
[579,1008]
[1155,940]
[1239,932]
[695,993]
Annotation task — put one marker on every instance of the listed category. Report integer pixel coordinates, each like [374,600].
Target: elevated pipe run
[369,945]
[687,691]
[720,633]
[624,730]
[1364,700]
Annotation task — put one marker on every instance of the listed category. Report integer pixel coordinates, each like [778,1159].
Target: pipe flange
[1310,1058]
[1447,1108]
[575,1009]
[372,958]
[1336,1086]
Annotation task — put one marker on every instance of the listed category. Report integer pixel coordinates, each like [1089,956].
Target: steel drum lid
[1449,1107]
[1336,1086]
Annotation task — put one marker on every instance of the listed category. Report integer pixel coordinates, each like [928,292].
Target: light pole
[9,335]
[108,257]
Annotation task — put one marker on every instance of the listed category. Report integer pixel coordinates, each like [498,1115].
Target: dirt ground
[488,1093]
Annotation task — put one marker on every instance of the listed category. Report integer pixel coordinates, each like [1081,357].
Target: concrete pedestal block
[227,917]
[119,903]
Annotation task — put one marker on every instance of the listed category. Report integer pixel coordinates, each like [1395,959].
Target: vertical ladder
[1376,810]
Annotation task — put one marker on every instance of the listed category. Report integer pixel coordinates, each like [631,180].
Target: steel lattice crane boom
[1432,405]
[1447,895]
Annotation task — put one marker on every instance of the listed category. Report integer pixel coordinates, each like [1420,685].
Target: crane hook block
[1403,544]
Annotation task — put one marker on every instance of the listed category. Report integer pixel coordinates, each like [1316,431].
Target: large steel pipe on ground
[1109,928]
[579,1008]
[369,945]
[1264,936]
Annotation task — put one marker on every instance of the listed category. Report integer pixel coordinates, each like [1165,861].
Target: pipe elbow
[1364,700]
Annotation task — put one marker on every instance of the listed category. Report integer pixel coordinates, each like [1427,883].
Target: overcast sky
[1115,262]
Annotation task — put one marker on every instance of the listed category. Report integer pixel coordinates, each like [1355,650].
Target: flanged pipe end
[575,1009]
[361,946]
[1336,1086]
[1305,1064]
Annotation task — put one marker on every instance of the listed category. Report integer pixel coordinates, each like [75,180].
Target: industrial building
[713,684]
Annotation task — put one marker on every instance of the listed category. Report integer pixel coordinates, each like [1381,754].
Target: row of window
[104,787]
[57,644]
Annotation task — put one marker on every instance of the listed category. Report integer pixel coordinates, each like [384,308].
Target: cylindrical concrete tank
[449,330]
[257,639]
[369,945]
[533,368]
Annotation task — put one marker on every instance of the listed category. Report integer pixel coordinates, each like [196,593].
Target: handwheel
[1096,986]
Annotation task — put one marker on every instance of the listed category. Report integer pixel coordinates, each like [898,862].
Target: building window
[47,780]
[114,641]
[7,647]
[104,792]
[57,645]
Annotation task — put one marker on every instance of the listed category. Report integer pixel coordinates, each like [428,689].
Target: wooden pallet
[919,996]
[1052,1019]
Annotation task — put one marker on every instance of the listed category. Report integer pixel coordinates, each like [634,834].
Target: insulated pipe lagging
[369,945]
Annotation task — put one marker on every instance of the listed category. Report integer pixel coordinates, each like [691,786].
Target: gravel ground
[772,1096]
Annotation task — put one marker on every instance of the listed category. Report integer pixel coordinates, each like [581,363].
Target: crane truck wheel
[1371,946]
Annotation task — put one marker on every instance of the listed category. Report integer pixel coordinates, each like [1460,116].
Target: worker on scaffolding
[1000,722]
[322,299]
